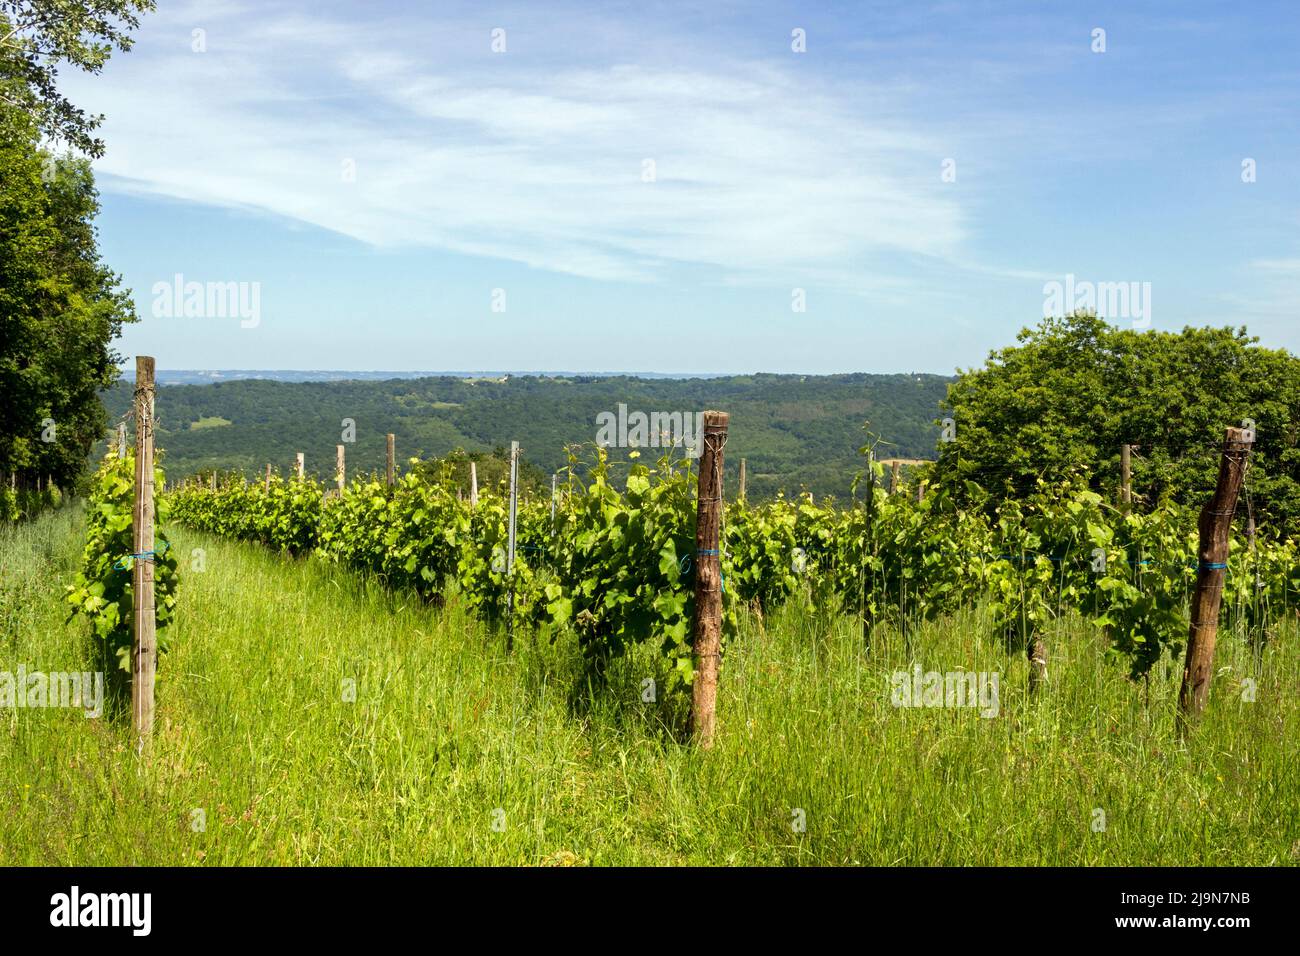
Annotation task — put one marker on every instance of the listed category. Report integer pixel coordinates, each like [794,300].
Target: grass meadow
[457,752]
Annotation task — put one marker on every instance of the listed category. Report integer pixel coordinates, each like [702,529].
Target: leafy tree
[36,38]
[1058,405]
[60,308]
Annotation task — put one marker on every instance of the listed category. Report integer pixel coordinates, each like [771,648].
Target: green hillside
[797,432]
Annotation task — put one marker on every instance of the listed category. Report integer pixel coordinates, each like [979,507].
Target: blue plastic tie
[120,564]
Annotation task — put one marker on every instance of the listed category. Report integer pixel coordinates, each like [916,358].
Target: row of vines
[19,504]
[102,590]
[613,560]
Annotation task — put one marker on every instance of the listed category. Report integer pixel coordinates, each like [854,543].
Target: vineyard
[454,666]
[615,564]
[466,674]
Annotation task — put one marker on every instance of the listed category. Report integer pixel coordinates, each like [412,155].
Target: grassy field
[455,752]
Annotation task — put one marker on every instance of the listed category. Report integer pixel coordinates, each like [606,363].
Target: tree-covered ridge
[796,431]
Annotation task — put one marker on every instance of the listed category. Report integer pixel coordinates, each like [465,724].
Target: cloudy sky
[658,187]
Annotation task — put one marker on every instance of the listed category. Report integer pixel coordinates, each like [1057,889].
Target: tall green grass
[447,729]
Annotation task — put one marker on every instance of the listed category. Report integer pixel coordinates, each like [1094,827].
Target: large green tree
[60,307]
[1059,404]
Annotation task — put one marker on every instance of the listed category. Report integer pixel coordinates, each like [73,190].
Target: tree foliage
[60,308]
[1059,404]
[39,36]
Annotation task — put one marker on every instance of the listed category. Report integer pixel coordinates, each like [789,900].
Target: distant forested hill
[797,432]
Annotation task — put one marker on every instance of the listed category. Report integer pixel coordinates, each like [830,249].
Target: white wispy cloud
[759,170]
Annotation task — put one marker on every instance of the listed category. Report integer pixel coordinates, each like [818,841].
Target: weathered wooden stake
[392,459]
[554,493]
[868,581]
[510,553]
[266,485]
[1036,652]
[1126,476]
[895,468]
[340,472]
[706,634]
[473,485]
[1214,526]
[212,480]
[300,466]
[144,646]
[742,479]
[121,440]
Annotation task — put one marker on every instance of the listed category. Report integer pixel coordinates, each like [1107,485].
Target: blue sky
[774,170]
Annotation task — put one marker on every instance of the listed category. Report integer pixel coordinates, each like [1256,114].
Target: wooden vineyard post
[473,485]
[212,480]
[121,439]
[706,632]
[920,492]
[554,493]
[742,480]
[392,459]
[340,472]
[1214,526]
[510,552]
[895,467]
[266,485]
[300,466]
[144,646]
[1036,652]
[1126,477]
[868,550]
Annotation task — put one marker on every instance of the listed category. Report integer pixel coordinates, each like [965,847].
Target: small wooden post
[1126,477]
[121,439]
[1214,526]
[473,485]
[742,479]
[144,647]
[339,469]
[392,459]
[895,467]
[706,633]
[920,492]
[554,494]
[868,581]
[212,479]
[300,466]
[266,485]
[510,554]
